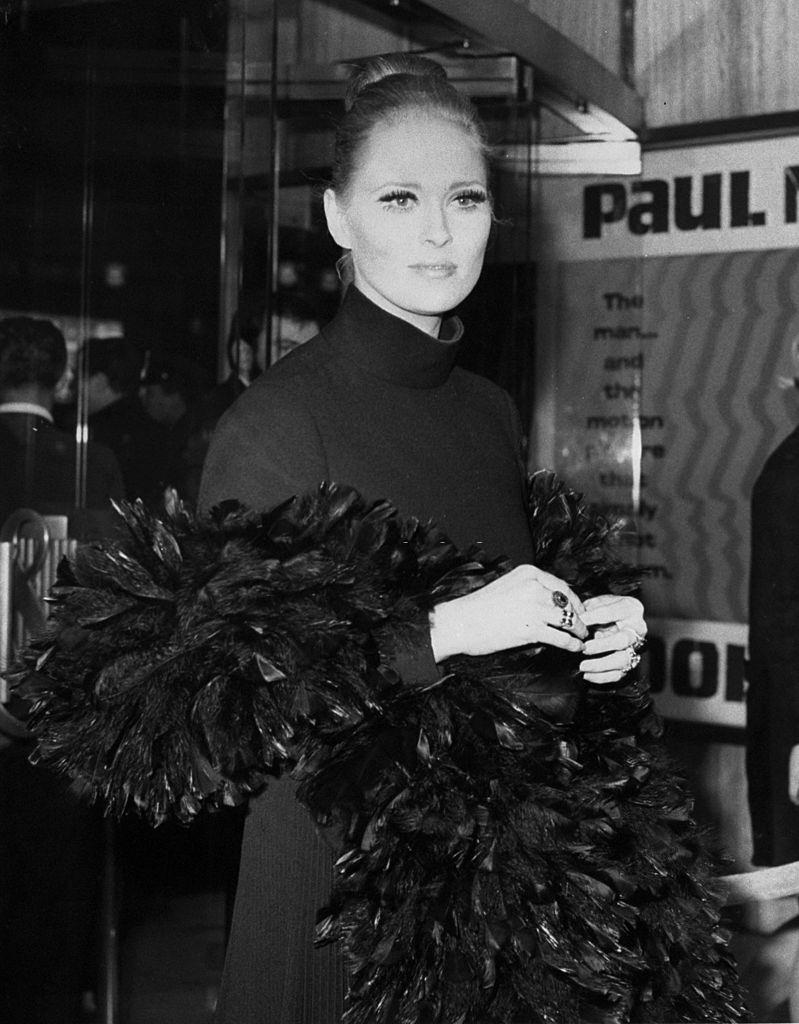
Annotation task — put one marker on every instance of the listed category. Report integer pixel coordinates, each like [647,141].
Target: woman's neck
[429,323]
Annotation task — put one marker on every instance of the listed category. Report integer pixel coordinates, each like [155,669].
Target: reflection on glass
[112,180]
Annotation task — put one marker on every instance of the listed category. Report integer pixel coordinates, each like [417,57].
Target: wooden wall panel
[695,60]
[703,60]
[594,25]
[332,30]
[313,31]
[324,31]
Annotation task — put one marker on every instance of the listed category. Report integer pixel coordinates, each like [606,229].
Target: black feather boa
[515,847]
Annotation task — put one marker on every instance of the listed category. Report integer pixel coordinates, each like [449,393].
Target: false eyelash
[397,193]
[474,194]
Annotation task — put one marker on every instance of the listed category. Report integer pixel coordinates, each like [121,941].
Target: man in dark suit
[39,460]
[50,841]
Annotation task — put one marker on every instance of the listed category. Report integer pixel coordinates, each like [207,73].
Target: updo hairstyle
[384,88]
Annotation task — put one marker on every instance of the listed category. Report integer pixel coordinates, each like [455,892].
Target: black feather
[515,846]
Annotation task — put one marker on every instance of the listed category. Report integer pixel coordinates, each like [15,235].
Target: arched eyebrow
[409,185]
[416,186]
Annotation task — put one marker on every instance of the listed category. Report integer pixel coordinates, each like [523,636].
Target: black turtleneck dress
[377,404]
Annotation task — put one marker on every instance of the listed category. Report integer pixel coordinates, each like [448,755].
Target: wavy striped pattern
[724,325]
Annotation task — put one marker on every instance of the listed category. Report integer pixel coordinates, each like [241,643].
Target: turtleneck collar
[390,348]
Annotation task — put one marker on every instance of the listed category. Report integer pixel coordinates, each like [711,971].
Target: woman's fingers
[555,586]
[614,609]
[525,606]
[619,622]
[562,608]
[564,619]
[613,639]
[537,600]
[619,632]
[560,638]
[603,678]
[616,661]
[608,669]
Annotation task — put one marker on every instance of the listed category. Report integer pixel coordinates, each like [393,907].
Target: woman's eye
[466,200]
[399,200]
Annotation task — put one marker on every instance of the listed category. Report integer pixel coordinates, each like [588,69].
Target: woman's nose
[436,227]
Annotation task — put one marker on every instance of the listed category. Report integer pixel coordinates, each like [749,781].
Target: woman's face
[416,217]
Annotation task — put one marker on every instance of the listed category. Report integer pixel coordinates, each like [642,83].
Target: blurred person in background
[171,392]
[39,460]
[116,416]
[296,321]
[243,343]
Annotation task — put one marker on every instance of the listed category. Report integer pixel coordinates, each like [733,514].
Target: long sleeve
[266,448]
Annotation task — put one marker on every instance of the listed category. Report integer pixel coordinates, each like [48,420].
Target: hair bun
[375,69]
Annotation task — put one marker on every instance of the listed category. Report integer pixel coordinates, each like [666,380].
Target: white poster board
[675,304]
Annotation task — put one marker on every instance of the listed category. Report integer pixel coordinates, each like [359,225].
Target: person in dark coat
[376,401]
[772,709]
[243,369]
[117,419]
[243,366]
[772,729]
[39,460]
[172,386]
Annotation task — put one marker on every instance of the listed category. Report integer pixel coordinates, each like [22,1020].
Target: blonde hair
[386,86]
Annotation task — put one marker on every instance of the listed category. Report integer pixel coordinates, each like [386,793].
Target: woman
[511,846]
[376,401]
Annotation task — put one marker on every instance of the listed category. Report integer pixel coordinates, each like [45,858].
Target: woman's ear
[336,220]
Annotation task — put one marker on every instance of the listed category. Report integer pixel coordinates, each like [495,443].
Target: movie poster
[677,305]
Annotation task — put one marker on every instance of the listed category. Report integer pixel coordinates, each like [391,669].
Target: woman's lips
[435,270]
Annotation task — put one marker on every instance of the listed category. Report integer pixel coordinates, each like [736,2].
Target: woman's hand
[621,630]
[517,609]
